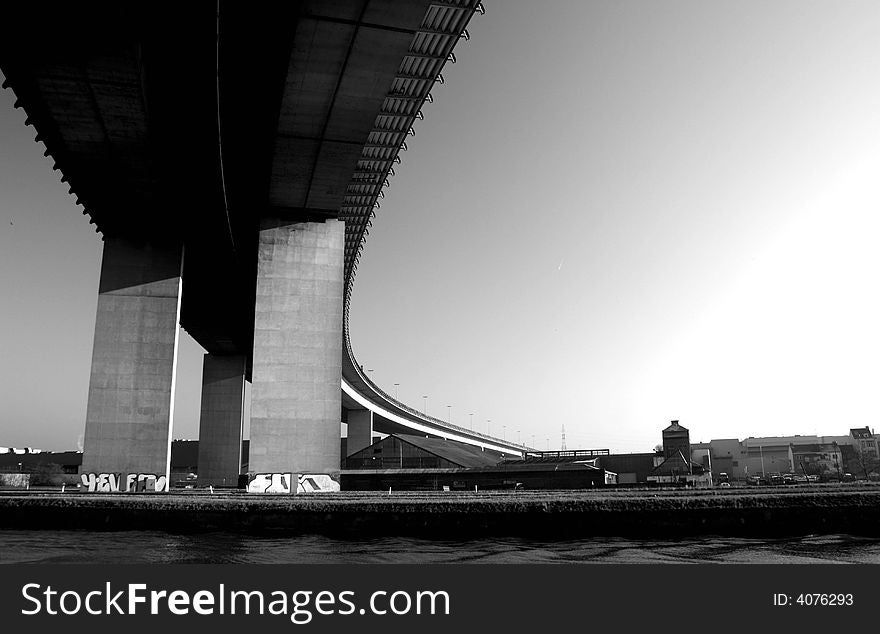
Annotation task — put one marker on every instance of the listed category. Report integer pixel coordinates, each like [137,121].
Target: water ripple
[158,547]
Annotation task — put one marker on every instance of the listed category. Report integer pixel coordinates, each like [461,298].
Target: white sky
[615,214]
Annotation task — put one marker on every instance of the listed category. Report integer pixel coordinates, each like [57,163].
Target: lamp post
[488,426]
[425,411]
[397,391]
[472,421]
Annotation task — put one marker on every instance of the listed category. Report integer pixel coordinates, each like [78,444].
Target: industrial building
[406,462]
[677,465]
[406,451]
[631,468]
[28,460]
[831,456]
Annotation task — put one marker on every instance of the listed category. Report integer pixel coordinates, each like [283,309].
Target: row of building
[825,456]
[400,462]
[855,455]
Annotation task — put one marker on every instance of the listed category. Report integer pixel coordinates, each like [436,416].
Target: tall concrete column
[134,360]
[360,430]
[222,419]
[297,366]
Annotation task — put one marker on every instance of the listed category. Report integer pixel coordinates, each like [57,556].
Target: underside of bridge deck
[231,156]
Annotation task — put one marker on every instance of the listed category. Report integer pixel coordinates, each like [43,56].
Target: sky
[614,214]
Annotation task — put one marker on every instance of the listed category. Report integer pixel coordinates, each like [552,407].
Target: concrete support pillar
[297,366]
[134,360]
[222,419]
[360,430]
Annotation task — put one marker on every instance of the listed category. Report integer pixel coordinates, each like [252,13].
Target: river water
[157,547]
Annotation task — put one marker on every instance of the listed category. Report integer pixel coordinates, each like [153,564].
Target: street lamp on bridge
[425,412]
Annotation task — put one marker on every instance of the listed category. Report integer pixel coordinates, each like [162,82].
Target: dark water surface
[158,547]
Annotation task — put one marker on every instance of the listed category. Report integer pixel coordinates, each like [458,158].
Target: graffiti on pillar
[269,483]
[146,482]
[315,483]
[101,482]
[133,483]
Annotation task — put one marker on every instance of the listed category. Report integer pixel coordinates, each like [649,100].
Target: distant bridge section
[370,410]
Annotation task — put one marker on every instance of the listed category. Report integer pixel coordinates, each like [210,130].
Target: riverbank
[546,514]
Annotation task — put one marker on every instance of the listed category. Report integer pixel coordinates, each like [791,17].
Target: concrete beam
[134,360]
[297,358]
[221,423]
[360,430]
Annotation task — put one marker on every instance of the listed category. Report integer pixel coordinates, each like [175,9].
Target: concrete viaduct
[231,155]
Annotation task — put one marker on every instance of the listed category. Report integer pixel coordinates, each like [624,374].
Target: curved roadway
[391,416]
